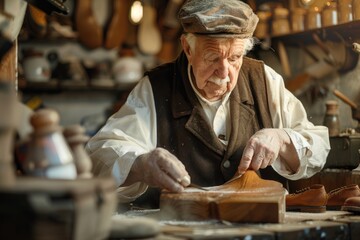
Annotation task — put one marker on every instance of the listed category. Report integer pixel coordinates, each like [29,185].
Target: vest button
[226,164]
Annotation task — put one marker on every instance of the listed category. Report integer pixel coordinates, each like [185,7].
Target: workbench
[328,225]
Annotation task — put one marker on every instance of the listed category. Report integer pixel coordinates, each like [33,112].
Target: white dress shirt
[132,130]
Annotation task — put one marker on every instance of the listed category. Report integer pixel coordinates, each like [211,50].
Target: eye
[234,59]
[212,60]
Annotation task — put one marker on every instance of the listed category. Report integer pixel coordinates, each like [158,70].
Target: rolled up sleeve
[311,142]
[127,134]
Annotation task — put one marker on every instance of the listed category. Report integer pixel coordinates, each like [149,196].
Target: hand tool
[235,177]
[197,187]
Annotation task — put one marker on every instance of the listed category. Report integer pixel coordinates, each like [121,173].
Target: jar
[313,18]
[298,20]
[280,24]
[76,138]
[329,16]
[48,155]
[127,70]
[331,119]
[36,67]
[345,11]
[356,9]
[262,29]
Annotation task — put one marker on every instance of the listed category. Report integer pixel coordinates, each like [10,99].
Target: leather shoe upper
[250,180]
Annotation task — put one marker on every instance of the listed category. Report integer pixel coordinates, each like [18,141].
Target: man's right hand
[159,168]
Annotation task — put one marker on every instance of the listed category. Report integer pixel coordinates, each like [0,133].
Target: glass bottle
[313,18]
[280,23]
[329,16]
[331,119]
[262,29]
[298,20]
[356,9]
[345,11]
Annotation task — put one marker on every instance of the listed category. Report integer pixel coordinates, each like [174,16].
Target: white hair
[249,42]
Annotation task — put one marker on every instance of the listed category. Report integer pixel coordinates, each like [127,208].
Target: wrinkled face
[215,63]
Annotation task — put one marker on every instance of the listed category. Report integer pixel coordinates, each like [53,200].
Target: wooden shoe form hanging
[89,31]
[149,36]
[91,34]
[118,27]
[171,29]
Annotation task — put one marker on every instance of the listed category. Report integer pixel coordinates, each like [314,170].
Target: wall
[347,83]
[315,95]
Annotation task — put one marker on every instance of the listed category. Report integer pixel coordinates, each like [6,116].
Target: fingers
[262,159]
[174,168]
[246,159]
[162,169]
[260,152]
[167,182]
[185,181]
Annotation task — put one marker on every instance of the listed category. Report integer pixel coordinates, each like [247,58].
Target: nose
[222,69]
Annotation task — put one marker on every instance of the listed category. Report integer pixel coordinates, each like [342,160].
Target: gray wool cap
[218,18]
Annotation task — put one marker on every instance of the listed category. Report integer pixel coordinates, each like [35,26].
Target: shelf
[344,34]
[49,40]
[348,32]
[54,86]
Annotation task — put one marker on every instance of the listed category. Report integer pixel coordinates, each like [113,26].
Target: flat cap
[218,18]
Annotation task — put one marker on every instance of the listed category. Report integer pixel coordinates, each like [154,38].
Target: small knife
[197,187]
[237,176]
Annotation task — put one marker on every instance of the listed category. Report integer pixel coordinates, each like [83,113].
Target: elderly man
[208,115]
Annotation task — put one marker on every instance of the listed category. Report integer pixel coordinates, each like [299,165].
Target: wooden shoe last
[245,199]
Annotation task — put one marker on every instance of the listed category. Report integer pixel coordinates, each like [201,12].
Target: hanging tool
[354,107]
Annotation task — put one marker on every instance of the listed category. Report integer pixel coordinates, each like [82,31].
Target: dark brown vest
[183,129]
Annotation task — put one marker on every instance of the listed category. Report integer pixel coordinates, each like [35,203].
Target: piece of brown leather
[90,33]
[352,204]
[249,180]
[314,196]
[117,30]
[337,197]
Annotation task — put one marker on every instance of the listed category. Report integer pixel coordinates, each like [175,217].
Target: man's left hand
[262,149]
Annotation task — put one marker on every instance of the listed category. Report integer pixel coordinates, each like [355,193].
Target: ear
[186,47]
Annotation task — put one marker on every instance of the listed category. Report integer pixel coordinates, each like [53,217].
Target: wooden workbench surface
[328,225]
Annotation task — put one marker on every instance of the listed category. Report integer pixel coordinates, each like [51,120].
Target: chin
[214,97]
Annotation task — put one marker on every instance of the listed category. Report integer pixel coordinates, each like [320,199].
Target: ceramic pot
[37,68]
[127,72]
